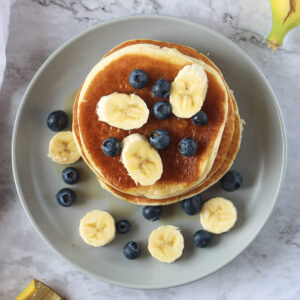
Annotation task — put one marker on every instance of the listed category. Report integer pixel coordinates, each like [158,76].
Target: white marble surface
[269,268]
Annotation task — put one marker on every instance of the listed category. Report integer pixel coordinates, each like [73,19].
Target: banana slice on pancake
[218,215]
[122,111]
[166,243]
[188,91]
[97,228]
[63,149]
[141,160]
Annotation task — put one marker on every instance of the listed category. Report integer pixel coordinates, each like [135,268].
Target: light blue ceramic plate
[261,160]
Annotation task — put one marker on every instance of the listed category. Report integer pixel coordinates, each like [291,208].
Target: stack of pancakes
[218,141]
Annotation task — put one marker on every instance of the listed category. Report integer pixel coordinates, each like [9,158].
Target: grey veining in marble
[269,268]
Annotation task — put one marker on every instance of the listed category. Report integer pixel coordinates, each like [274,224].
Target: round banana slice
[188,91]
[141,160]
[122,110]
[97,228]
[166,243]
[62,148]
[218,215]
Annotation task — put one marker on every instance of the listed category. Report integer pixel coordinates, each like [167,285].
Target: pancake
[219,159]
[180,173]
[229,126]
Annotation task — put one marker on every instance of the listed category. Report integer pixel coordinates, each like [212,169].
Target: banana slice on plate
[188,91]
[62,148]
[97,228]
[166,243]
[122,111]
[218,215]
[141,160]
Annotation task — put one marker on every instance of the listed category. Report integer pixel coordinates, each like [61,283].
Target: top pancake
[180,173]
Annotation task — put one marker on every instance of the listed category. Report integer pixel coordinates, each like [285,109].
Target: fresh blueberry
[162,110]
[66,197]
[200,118]
[202,238]
[231,181]
[138,79]
[192,205]
[57,120]
[187,146]
[152,213]
[70,175]
[161,88]
[132,250]
[111,146]
[160,139]
[123,226]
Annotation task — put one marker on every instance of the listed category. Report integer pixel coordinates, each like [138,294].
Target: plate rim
[98,27]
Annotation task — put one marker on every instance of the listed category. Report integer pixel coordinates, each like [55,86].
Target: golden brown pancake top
[114,78]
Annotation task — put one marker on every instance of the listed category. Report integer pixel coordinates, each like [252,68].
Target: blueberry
[160,139]
[111,146]
[70,175]
[162,110]
[66,197]
[57,120]
[161,88]
[202,238]
[152,213]
[138,79]
[192,205]
[123,226]
[187,146]
[132,250]
[200,118]
[231,181]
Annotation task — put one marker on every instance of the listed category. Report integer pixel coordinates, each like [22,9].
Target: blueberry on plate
[231,181]
[57,120]
[187,146]
[66,197]
[111,146]
[132,250]
[161,88]
[162,110]
[202,238]
[152,213]
[192,205]
[160,139]
[138,79]
[123,226]
[70,175]
[200,118]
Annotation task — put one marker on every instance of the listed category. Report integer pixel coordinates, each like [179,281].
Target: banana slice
[97,228]
[218,215]
[62,148]
[122,111]
[141,160]
[188,91]
[166,243]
